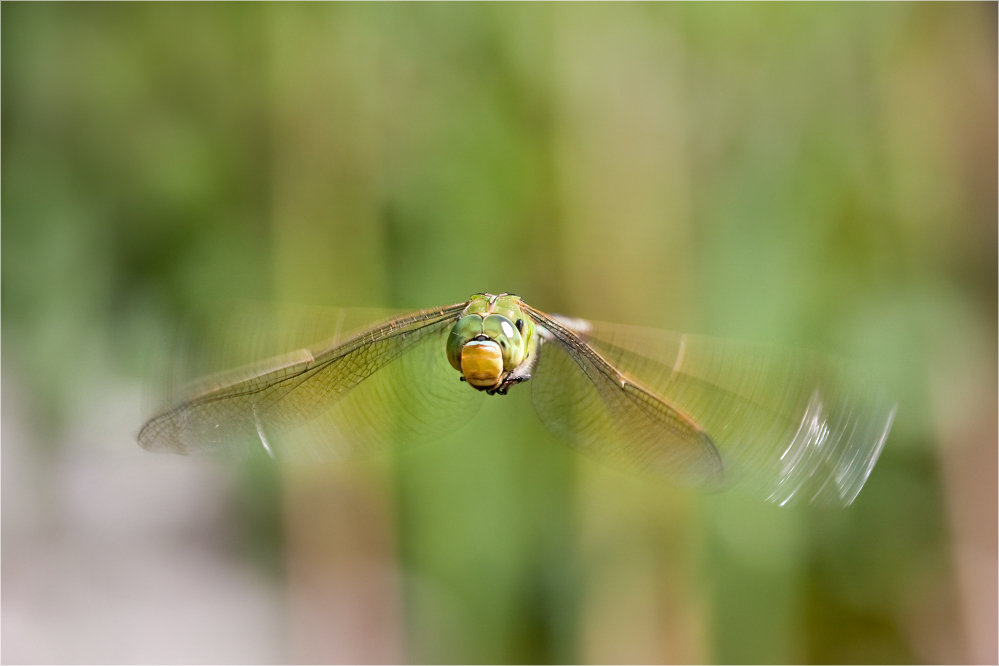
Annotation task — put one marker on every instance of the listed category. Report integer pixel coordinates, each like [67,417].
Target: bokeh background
[815,175]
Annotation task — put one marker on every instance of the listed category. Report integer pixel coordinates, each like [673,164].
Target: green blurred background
[817,175]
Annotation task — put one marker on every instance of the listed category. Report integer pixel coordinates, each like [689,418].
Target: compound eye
[520,325]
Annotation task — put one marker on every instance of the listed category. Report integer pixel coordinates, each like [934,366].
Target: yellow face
[491,338]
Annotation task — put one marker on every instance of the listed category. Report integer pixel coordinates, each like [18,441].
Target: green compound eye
[464,329]
[499,328]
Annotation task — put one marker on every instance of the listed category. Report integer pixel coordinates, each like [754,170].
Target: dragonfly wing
[614,419]
[388,384]
[790,425]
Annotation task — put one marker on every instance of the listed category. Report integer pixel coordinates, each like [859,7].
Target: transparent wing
[788,425]
[612,418]
[352,395]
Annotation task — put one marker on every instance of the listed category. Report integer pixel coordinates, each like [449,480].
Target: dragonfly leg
[519,374]
[507,383]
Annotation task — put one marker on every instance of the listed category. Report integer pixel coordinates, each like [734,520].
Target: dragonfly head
[489,340]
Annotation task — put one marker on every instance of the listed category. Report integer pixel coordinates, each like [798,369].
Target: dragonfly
[688,409]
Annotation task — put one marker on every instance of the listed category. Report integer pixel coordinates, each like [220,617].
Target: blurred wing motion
[346,397]
[689,409]
[702,411]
